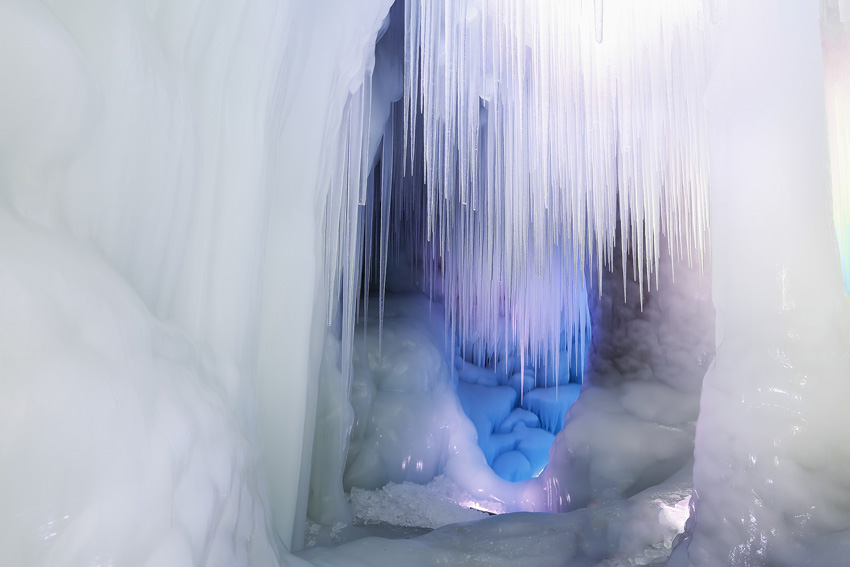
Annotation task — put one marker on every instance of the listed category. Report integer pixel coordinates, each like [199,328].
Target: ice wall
[172,154]
[119,444]
[770,483]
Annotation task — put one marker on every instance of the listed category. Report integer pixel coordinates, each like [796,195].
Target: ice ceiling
[195,196]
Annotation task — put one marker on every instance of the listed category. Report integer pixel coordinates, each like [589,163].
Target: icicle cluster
[531,138]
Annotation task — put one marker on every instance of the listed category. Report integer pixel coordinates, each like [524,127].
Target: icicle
[368,246]
[387,163]
[597,19]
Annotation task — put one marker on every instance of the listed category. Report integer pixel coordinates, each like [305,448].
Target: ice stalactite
[598,19]
[770,482]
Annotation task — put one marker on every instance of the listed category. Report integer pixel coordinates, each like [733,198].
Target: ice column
[770,480]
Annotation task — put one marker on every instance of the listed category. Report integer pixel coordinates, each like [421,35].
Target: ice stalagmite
[770,480]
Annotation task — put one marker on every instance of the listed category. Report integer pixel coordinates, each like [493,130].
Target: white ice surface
[405,407]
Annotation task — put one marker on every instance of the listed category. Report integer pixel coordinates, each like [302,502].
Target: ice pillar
[770,480]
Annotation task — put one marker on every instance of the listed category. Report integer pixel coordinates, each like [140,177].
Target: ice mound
[405,407]
[498,392]
[487,407]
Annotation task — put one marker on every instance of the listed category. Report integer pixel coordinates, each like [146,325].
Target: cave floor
[621,533]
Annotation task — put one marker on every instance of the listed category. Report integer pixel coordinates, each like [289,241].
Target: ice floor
[636,531]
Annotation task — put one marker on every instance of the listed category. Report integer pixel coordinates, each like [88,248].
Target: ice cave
[321,283]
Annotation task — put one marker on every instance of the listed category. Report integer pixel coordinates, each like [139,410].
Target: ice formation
[406,411]
[190,193]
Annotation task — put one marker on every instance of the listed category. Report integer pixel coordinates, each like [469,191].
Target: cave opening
[459,352]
